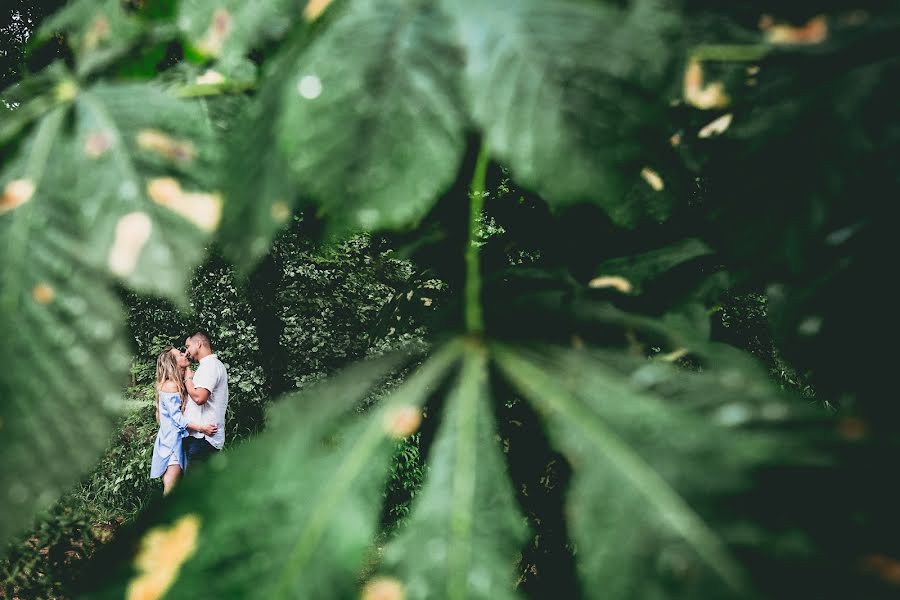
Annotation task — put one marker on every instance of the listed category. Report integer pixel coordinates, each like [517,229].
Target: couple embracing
[190,408]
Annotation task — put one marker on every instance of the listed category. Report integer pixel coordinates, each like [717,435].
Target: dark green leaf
[649,445]
[570,95]
[465,528]
[371,127]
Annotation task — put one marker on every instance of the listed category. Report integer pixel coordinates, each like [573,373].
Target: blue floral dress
[172,428]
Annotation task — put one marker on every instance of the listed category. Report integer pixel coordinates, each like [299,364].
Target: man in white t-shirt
[208,390]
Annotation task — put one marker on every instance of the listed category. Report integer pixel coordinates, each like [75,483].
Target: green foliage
[465,526]
[329,302]
[370,114]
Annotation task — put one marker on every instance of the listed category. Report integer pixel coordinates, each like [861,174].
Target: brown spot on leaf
[884,567]
[16,193]
[703,95]
[653,179]
[98,31]
[219,29]
[383,588]
[163,551]
[814,31]
[97,143]
[402,421]
[614,281]
[132,232]
[173,149]
[202,209]
[211,77]
[716,127]
[852,428]
[43,293]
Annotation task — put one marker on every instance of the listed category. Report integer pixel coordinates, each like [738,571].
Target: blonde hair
[167,370]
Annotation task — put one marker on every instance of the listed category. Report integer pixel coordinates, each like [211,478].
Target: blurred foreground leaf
[61,324]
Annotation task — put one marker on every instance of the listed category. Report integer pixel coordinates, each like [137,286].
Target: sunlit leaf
[649,446]
[465,529]
[61,324]
[372,128]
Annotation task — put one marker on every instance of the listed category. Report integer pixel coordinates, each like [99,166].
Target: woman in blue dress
[171,396]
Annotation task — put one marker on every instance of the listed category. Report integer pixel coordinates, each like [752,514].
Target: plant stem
[731,52]
[473,313]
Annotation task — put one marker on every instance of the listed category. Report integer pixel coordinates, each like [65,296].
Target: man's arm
[198,394]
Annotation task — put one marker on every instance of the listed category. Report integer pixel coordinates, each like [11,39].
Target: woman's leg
[173,472]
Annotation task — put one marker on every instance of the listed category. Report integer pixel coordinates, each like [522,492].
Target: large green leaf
[570,95]
[61,326]
[296,507]
[465,529]
[372,127]
[650,446]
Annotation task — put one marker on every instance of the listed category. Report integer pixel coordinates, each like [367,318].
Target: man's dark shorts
[197,450]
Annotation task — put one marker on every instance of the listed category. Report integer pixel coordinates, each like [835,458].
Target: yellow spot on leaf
[97,143]
[674,355]
[613,281]
[132,232]
[202,209]
[402,421]
[280,211]
[702,95]
[675,140]
[43,293]
[16,193]
[815,31]
[653,179]
[383,588]
[314,9]
[716,127]
[163,551]
[211,77]
[65,91]
[170,148]
[219,29]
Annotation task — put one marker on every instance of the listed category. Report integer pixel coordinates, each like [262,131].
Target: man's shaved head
[202,339]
